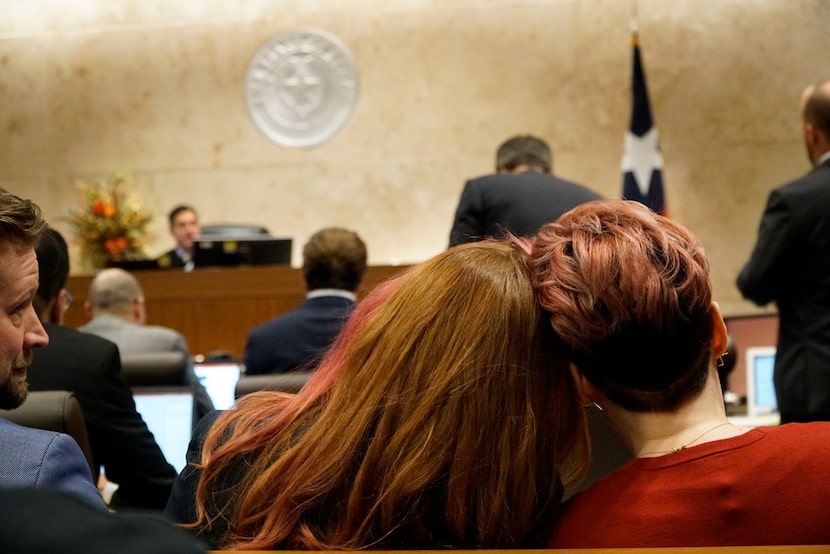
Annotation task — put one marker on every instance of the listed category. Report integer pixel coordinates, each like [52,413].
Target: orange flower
[116,246]
[103,208]
[111,224]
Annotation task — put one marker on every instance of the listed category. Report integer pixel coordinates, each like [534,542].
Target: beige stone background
[88,87]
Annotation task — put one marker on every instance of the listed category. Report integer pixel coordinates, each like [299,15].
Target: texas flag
[642,163]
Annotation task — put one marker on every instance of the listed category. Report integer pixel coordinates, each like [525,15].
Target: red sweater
[769,486]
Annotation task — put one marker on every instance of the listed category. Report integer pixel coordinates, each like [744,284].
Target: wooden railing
[215,308]
[810,549]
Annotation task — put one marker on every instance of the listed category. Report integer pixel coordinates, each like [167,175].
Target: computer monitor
[760,390]
[236,250]
[219,380]
[134,265]
[169,416]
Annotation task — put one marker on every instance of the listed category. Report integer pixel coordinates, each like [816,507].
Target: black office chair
[290,382]
[233,229]
[155,369]
[55,410]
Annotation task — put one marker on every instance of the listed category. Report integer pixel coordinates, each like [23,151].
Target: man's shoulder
[72,360]
[61,337]
[530,179]
[128,331]
[814,183]
[275,325]
[150,338]
[158,331]
[16,438]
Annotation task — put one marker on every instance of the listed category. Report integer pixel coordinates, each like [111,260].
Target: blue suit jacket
[33,458]
[297,339]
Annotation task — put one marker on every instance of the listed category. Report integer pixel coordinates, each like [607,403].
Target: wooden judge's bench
[215,308]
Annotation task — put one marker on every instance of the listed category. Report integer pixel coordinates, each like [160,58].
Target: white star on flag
[642,156]
[642,162]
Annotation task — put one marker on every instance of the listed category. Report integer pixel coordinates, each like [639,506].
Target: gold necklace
[685,444]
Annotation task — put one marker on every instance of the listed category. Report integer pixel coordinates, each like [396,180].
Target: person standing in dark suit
[184,226]
[519,198]
[90,367]
[790,266]
[334,261]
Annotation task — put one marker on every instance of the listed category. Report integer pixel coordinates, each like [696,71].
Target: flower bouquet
[111,225]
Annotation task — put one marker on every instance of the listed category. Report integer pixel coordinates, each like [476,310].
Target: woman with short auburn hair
[628,292]
[442,417]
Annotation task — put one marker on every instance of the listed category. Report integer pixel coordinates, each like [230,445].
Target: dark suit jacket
[90,367]
[171,260]
[519,203]
[34,458]
[43,522]
[132,338]
[298,338]
[790,265]
[181,506]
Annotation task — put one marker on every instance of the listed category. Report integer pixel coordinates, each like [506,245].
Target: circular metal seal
[301,87]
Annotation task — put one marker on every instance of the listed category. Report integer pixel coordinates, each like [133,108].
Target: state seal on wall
[301,87]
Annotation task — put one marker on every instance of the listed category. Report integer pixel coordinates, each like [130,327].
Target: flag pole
[642,163]
[634,23]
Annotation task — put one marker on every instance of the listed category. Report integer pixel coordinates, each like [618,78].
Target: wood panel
[215,308]
[748,331]
[795,549]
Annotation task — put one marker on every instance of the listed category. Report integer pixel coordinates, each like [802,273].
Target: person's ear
[584,387]
[54,313]
[814,138]
[88,315]
[719,333]
[139,313]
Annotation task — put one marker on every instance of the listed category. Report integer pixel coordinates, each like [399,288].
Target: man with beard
[29,458]
[48,502]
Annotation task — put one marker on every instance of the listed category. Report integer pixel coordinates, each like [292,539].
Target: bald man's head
[116,292]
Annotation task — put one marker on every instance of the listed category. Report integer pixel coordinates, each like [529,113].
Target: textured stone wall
[156,89]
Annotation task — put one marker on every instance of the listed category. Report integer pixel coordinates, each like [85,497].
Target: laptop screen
[169,416]
[760,397]
[219,380]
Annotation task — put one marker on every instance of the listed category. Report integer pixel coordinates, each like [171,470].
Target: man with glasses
[90,367]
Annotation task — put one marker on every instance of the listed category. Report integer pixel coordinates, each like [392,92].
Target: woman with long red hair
[443,416]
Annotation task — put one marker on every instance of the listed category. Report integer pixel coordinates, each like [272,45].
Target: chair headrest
[290,382]
[156,369]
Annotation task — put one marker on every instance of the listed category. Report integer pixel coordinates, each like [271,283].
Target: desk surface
[808,549]
[769,420]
